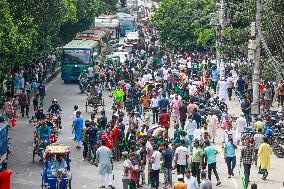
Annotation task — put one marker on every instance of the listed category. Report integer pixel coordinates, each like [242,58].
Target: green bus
[77,56]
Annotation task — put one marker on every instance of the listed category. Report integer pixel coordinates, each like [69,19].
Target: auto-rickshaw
[56,173]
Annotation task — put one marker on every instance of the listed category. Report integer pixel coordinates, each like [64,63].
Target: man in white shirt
[240,126]
[156,157]
[76,109]
[190,127]
[181,157]
[142,52]
[126,170]
[90,73]
[223,89]
[154,105]
[190,181]
[181,60]
[146,77]
[197,134]
[230,84]
[227,132]
[165,74]
[192,89]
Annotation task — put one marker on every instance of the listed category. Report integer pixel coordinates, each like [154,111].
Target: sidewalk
[234,107]
[48,79]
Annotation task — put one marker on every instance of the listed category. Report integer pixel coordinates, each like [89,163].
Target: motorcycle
[83,85]
[56,118]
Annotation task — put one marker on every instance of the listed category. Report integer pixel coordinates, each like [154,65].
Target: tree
[123,3]
[241,13]
[86,12]
[184,23]
[47,16]
[16,38]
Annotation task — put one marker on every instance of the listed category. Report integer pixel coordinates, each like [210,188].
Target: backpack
[34,85]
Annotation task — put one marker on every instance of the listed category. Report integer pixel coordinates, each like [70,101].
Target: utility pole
[218,22]
[255,46]
[222,19]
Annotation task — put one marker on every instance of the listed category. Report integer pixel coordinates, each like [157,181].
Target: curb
[52,76]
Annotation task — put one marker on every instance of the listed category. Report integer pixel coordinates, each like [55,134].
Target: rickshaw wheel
[42,183]
[33,156]
[86,106]
[69,184]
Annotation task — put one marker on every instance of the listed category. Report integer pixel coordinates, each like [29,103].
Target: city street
[28,175]
[196,53]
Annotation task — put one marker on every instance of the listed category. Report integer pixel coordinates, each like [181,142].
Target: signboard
[75,51]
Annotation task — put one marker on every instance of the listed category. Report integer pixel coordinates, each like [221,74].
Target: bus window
[76,56]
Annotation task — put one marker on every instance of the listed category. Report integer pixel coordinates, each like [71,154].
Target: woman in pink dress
[175,105]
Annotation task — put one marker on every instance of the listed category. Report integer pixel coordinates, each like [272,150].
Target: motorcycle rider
[54,108]
[39,115]
[84,80]
[83,75]
[43,131]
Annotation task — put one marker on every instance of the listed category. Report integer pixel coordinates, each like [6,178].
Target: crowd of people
[26,86]
[159,114]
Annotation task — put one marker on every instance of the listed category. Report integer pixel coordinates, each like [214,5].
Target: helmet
[54,100]
[76,107]
[84,71]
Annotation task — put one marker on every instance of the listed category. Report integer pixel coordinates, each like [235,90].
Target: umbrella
[151,129]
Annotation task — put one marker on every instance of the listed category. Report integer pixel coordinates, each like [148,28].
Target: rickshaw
[94,101]
[53,175]
[112,60]
[39,146]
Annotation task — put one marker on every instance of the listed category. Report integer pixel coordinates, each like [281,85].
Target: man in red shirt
[5,176]
[115,142]
[108,138]
[164,119]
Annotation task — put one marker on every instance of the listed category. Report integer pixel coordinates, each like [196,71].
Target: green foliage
[240,14]
[184,23]
[47,16]
[237,33]
[16,38]
[123,3]
[87,10]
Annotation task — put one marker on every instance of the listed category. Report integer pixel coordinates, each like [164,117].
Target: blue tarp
[3,143]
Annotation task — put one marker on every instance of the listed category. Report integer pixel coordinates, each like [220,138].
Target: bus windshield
[126,22]
[76,56]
